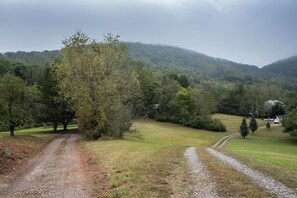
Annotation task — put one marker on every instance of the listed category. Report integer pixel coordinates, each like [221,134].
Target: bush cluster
[197,122]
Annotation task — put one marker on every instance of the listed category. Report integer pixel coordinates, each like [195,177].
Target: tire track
[268,183]
[57,172]
[202,186]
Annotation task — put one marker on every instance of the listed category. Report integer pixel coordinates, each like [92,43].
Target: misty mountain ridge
[286,67]
[169,59]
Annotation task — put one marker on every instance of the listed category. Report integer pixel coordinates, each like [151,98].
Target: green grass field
[273,152]
[232,122]
[152,167]
[271,146]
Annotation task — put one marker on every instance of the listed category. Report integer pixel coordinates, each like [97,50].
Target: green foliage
[31,58]
[28,73]
[54,107]
[182,80]
[206,122]
[100,84]
[187,106]
[185,101]
[253,124]
[277,109]
[16,101]
[289,121]
[244,130]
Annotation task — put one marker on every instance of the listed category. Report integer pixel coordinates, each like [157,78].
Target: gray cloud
[247,31]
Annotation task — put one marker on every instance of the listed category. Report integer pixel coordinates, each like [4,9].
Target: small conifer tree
[253,124]
[244,130]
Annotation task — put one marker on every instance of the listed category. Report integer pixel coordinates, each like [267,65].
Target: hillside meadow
[149,166]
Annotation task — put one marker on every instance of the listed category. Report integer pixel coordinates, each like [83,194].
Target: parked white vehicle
[276,121]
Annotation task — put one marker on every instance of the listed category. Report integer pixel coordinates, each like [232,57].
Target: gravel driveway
[57,172]
[264,181]
[201,186]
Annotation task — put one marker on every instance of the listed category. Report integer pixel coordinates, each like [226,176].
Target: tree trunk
[11,130]
[65,124]
[55,126]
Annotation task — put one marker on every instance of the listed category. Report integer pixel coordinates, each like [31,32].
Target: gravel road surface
[58,171]
[201,186]
[264,181]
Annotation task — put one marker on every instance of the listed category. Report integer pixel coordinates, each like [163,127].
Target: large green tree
[290,119]
[55,108]
[16,100]
[97,79]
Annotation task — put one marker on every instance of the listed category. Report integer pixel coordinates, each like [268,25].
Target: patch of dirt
[58,171]
[16,151]
[97,173]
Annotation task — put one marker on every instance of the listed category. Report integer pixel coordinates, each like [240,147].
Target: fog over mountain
[247,31]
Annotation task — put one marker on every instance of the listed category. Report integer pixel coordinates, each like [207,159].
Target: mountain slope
[31,58]
[286,67]
[167,59]
[189,62]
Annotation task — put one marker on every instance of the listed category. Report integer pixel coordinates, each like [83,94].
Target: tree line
[101,86]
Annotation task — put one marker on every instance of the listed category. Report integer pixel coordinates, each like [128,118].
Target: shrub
[161,118]
[215,125]
[197,123]
[207,123]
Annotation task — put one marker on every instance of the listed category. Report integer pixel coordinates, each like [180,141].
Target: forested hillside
[186,85]
[199,67]
[189,62]
[31,58]
[286,67]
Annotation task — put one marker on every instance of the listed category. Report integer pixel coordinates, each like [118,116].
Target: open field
[150,167]
[272,152]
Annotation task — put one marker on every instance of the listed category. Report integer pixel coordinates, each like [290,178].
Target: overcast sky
[247,31]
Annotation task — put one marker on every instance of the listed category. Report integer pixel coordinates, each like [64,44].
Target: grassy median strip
[229,182]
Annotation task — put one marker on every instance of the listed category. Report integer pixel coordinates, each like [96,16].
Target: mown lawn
[153,166]
[273,152]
